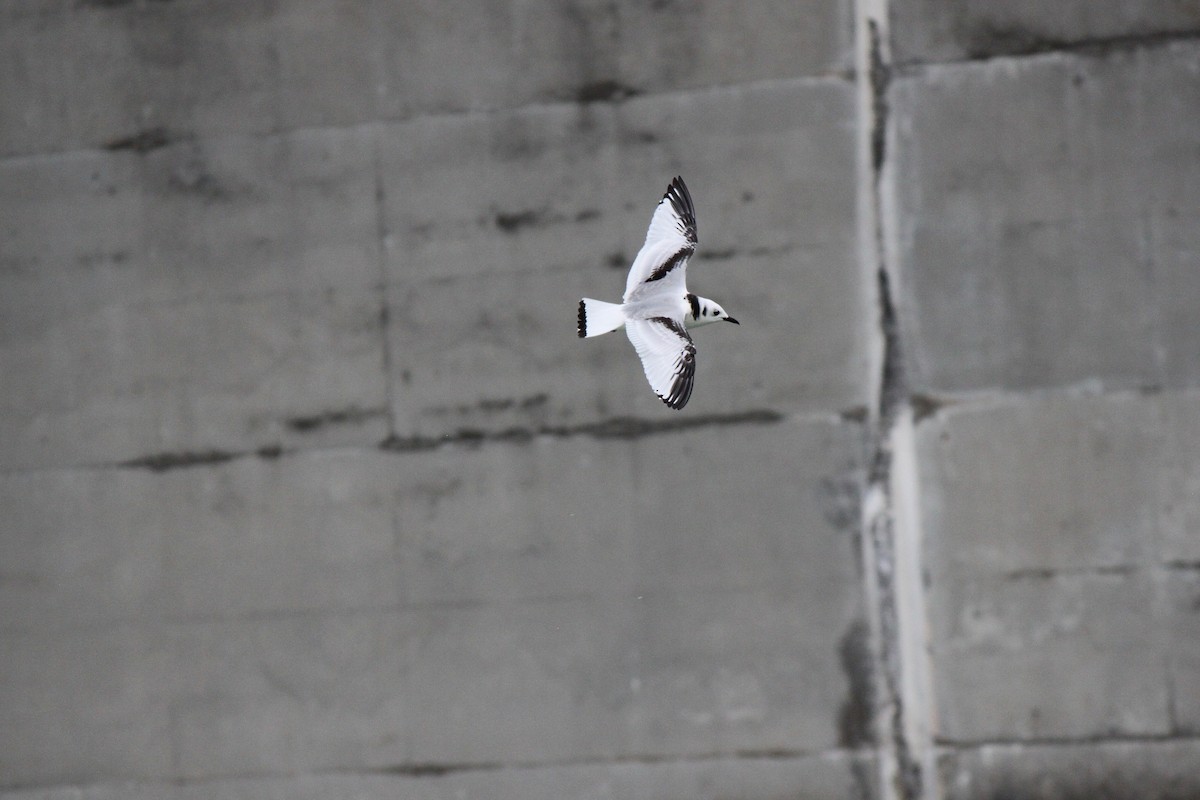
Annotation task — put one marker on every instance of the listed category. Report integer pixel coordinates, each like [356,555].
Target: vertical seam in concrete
[891,536]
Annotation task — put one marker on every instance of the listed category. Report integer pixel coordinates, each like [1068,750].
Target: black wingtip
[582,327]
[685,376]
[674,405]
[681,201]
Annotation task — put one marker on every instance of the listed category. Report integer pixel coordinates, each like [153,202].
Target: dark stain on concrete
[143,141]
[986,39]
[269,452]
[855,414]
[534,401]
[497,404]
[640,137]
[717,255]
[925,406]
[880,78]
[103,259]
[161,462]
[613,428]
[617,261]
[511,222]
[855,727]
[491,405]
[605,91]
[312,422]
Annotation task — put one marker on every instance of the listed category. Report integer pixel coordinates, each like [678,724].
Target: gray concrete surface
[1070,239]
[309,489]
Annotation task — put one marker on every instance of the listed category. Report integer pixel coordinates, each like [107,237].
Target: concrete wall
[310,490]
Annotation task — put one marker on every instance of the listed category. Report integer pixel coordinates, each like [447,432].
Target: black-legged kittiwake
[658,309]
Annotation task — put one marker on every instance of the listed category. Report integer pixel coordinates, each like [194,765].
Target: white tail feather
[597,317]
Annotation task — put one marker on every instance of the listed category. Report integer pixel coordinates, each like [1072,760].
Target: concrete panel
[1121,492]
[184,382]
[1046,583]
[518,620]
[560,680]
[816,777]
[530,219]
[934,30]
[103,73]
[1098,770]
[1047,223]
[616,517]
[217,219]
[88,547]
[291,692]
[1048,656]
[85,705]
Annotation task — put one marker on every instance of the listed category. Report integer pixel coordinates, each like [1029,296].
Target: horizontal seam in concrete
[420,607]
[439,769]
[947,745]
[173,138]
[611,428]
[930,404]
[468,438]
[769,754]
[1043,47]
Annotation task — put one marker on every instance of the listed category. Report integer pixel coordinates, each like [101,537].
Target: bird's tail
[597,317]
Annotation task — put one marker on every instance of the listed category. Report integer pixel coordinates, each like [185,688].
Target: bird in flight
[657,308]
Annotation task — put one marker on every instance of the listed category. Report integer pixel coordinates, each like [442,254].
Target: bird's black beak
[731,319]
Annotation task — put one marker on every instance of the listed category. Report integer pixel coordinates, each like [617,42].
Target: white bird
[658,309]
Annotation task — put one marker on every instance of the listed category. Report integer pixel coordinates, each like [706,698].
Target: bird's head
[705,311]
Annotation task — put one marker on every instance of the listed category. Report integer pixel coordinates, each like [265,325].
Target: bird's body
[657,308]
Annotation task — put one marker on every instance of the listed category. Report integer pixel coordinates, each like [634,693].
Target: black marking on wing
[582,320]
[685,366]
[671,263]
[681,202]
[694,301]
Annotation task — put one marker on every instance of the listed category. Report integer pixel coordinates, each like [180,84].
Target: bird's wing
[669,241]
[668,357]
